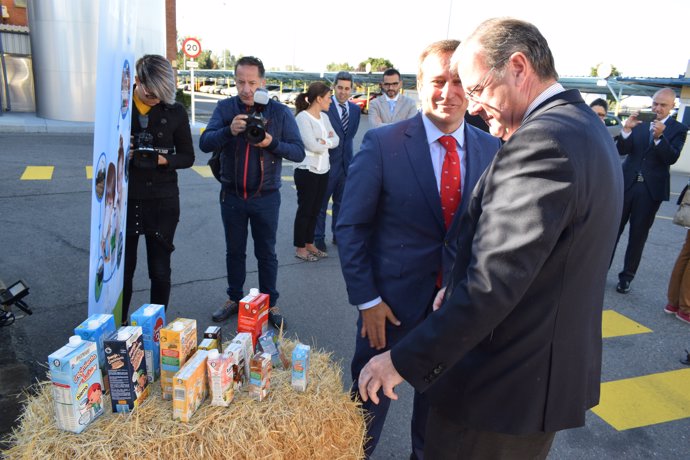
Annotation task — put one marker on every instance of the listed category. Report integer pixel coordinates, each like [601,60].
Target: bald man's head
[663,102]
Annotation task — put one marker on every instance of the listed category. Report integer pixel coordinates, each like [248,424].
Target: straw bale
[321,423]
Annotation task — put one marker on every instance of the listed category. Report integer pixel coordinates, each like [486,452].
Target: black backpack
[215,163]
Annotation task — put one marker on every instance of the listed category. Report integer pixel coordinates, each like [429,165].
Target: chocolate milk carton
[126,364]
[151,318]
[94,329]
[213,332]
[236,355]
[252,316]
[260,377]
[77,384]
[178,344]
[190,387]
[300,366]
[244,339]
[220,382]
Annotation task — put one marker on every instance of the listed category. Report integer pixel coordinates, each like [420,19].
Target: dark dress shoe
[623,287]
[276,320]
[320,245]
[226,311]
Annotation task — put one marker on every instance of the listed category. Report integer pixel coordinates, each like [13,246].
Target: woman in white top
[311,175]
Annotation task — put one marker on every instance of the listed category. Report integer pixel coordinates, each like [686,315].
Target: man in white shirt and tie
[391,106]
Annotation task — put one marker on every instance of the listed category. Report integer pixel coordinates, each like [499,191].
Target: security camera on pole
[192,48]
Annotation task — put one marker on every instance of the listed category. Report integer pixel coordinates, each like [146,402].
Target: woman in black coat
[161,144]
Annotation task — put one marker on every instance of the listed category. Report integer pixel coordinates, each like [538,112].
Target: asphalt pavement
[44,240]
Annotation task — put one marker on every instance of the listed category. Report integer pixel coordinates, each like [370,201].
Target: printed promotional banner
[115,75]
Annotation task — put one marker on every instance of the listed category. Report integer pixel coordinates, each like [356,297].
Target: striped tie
[344,119]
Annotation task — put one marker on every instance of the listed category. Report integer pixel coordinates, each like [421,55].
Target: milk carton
[244,339]
[126,364]
[269,344]
[190,387]
[260,377]
[77,384]
[252,316]
[213,332]
[151,319]
[178,343]
[209,344]
[94,328]
[236,355]
[300,366]
[220,378]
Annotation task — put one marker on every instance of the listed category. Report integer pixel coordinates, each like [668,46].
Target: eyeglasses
[390,85]
[482,83]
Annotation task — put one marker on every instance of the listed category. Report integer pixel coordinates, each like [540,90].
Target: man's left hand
[266,142]
[379,373]
[657,129]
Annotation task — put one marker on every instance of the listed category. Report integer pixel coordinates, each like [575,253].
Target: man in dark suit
[344,117]
[651,149]
[396,231]
[514,352]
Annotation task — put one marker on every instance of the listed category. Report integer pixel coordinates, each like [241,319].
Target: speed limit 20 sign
[191,47]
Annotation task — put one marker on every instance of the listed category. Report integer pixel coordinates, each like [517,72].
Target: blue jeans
[261,213]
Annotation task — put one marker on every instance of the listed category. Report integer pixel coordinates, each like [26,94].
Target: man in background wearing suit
[391,106]
[344,117]
[651,149]
[398,224]
[514,352]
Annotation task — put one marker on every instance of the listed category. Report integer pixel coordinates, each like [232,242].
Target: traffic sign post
[191,47]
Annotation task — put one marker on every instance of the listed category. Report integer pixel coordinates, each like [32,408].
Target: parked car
[229,91]
[360,99]
[613,124]
[288,95]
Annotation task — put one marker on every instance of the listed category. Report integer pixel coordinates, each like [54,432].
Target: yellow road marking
[89,172]
[38,173]
[288,178]
[614,324]
[203,171]
[646,400]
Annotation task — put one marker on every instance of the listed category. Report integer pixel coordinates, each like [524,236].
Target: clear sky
[646,39]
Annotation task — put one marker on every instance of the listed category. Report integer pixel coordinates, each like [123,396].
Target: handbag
[682,216]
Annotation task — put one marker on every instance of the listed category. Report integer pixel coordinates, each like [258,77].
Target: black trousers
[311,189]
[640,209]
[157,221]
[446,440]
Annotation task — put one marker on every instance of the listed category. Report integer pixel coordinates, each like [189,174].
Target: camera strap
[245,194]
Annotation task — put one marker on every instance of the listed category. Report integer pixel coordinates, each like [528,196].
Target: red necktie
[451,183]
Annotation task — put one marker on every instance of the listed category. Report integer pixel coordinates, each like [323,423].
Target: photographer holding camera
[161,144]
[254,134]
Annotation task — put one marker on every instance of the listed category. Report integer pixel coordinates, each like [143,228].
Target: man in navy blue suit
[651,149]
[396,242]
[344,117]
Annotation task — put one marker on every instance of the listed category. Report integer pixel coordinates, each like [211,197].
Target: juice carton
[77,384]
[94,329]
[151,318]
[253,314]
[260,377]
[245,341]
[269,344]
[190,387]
[220,378]
[300,366]
[236,355]
[126,364]
[213,332]
[178,343]
[209,344]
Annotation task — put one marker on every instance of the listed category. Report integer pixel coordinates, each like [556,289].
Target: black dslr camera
[256,126]
[144,155]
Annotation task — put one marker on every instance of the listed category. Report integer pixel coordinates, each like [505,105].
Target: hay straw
[322,423]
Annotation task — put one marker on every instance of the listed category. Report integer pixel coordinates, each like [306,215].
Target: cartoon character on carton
[95,396]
